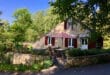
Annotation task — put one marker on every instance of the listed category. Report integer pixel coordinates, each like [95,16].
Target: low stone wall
[88,60]
[27,59]
[23,58]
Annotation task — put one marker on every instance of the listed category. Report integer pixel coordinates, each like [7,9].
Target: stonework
[27,59]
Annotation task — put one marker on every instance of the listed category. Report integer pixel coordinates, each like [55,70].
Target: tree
[38,22]
[26,29]
[50,20]
[30,35]
[44,21]
[93,15]
[6,37]
[21,23]
[80,11]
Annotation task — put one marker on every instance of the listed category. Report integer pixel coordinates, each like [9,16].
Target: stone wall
[23,58]
[88,60]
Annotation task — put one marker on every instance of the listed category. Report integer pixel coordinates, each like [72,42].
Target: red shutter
[75,43]
[53,41]
[65,24]
[91,44]
[66,42]
[46,39]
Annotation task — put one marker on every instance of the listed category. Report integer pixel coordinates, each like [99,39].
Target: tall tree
[6,37]
[21,23]
[38,22]
[44,21]
[93,15]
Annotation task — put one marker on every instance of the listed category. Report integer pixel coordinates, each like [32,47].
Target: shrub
[87,57]
[78,52]
[47,63]
[40,52]
[73,52]
[42,65]
[34,67]
[37,67]
[21,67]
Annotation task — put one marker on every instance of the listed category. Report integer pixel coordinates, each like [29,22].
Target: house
[66,35]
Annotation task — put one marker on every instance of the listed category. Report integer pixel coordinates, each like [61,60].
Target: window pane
[82,41]
[86,41]
[69,42]
[49,40]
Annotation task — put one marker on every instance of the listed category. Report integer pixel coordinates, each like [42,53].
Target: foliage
[37,67]
[30,35]
[88,60]
[78,52]
[21,23]
[40,52]
[44,64]
[28,28]
[93,15]
[6,37]
[10,67]
[106,42]
[22,68]
[47,63]
[44,21]
[25,28]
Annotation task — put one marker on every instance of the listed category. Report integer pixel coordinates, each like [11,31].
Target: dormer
[68,24]
[69,21]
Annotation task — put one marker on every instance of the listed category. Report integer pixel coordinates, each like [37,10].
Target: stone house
[66,35]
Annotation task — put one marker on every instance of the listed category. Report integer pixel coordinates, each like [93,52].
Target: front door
[84,43]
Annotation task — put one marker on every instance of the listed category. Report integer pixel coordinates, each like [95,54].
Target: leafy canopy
[92,14]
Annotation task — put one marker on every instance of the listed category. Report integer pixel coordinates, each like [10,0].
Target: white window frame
[50,40]
[84,41]
[69,25]
[70,42]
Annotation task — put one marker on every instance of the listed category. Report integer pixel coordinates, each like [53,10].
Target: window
[70,24]
[70,42]
[84,41]
[70,21]
[49,40]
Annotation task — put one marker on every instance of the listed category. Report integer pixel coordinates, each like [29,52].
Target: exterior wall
[59,28]
[39,44]
[78,43]
[26,59]
[76,30]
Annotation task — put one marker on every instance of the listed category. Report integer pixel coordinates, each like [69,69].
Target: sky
[8,7]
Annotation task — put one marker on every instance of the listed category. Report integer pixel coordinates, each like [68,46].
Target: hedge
[78,52]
